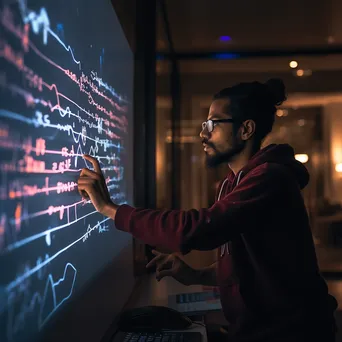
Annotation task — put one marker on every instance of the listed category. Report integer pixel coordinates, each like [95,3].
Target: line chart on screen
[59,99]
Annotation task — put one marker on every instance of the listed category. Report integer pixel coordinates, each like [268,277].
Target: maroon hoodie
[267,272]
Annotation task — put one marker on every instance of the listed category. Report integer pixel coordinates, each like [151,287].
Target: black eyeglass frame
[210,124]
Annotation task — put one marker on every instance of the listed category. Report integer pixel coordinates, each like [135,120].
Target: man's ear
[247,129]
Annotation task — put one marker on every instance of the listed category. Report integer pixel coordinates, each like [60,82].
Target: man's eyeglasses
[210,124]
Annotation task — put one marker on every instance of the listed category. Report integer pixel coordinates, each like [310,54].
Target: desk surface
[152,292]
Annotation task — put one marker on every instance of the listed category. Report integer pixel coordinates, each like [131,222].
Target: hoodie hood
[281,154]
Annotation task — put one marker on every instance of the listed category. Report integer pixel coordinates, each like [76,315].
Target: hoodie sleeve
[207,229]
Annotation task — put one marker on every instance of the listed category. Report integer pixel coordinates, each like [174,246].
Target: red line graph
[17,59]
[31,101]
[31,166]
[64,152]
[22,33]
[2,230]
[19,217]
[19,190]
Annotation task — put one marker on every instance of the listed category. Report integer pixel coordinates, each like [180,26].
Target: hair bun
[277,89]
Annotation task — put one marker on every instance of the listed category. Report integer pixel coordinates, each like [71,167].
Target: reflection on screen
[65,90]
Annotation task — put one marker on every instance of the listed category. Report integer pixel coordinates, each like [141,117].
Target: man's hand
[173,266]
[92,185]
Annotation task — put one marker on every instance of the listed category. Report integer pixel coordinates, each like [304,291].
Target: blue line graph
[51,299]
[46,232]
[15,116]
[39,123]
[35,269]
[51,285]
[41,21]
[105,85]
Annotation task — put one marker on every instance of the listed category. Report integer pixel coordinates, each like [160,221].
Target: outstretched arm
[203,229]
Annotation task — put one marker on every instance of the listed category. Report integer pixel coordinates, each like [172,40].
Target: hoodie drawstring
[226,245]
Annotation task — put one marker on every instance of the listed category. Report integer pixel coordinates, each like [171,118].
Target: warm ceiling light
[331,39]
[338,167]
[301,122]
[300,72]
[282,112]
[303,158]
[293,64]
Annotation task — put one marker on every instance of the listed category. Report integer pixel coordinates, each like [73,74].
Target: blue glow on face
[225,39]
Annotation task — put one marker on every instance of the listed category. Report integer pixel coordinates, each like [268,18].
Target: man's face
[222,144]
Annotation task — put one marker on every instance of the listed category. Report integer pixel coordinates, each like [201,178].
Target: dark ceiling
[251,25]
[198,24]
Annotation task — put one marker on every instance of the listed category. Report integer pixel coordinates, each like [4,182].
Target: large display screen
[66,87]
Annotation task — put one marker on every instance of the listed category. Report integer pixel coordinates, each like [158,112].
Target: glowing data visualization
[66,73]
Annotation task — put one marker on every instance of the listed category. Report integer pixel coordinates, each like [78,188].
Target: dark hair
[256,101]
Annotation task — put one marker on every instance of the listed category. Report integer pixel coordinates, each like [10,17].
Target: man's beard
[224,157]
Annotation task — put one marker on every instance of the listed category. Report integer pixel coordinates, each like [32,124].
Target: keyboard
[195,302]
[197,297]
[168,336]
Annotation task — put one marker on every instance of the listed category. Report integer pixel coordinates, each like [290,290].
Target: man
[271,288]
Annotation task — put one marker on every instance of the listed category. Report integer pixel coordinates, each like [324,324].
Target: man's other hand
[173,266]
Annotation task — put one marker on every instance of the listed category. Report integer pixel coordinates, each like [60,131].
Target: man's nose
[204,134]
